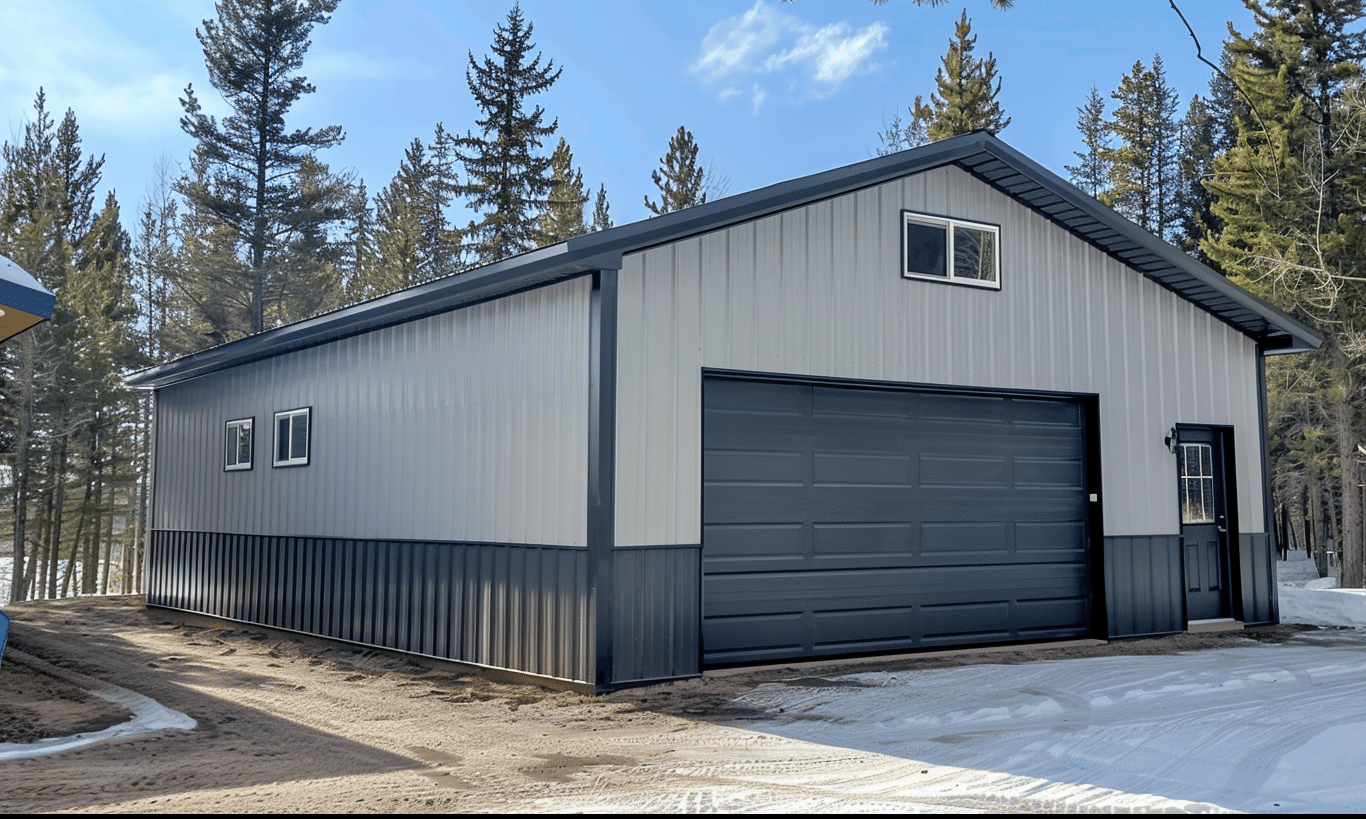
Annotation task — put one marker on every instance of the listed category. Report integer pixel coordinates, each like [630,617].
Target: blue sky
[770,90]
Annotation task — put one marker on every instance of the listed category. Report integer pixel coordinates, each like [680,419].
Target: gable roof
[984,156]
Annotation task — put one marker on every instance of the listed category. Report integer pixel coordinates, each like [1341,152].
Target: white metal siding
[466,426]
[817,291]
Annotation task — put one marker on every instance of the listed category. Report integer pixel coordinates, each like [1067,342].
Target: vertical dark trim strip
[1095,517]
[1268,505]
[602,478]
[149,521]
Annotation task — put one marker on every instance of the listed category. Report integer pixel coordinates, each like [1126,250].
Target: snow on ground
[149,716]
[1265,728]
[1310,599]
[1261,728]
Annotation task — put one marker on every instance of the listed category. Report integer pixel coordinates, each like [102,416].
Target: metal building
[935,398]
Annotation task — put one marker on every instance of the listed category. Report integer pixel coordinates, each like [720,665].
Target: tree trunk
[56,502]
[77,541]
[25,344]
[1350,540]
[1313,523]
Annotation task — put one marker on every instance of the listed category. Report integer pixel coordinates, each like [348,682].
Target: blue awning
[23,301]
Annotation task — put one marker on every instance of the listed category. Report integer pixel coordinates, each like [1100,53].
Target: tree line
[257,232]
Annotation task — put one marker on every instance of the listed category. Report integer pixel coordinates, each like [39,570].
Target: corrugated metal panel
[1257,572]
[655,613]
[842,519]
[507,606]
[817,291]
[1144,592]
[468,426]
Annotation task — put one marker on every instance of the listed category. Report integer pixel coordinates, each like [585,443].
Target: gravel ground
[287,723]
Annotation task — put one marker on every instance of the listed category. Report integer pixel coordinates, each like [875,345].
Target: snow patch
[148,716]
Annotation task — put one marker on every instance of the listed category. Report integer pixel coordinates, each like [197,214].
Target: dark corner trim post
[1268,501]
[149,505]
[602,477]
[1100,604]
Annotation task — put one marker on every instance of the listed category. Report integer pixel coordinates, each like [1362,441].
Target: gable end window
[951,250]
[237,447]
[291,437]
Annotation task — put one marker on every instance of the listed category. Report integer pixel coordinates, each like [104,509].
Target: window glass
[291,437]
[1197,483]
[237,447]
[298,436]
[951,250]
[925,249]
[974,254]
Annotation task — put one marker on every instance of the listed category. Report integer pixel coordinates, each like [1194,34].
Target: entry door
[1204,522]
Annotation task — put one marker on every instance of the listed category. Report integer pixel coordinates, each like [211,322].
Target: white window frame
[232,444]
[292,457]
[948,224]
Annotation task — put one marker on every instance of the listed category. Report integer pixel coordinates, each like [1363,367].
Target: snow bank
[1311,600]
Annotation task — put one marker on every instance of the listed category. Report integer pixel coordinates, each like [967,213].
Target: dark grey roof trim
[981,154]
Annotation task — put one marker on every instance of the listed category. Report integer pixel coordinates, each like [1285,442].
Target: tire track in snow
[1212,727]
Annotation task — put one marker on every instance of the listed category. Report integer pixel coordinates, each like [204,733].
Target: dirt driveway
[289,724]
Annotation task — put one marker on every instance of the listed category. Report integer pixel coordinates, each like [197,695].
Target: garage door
[842,519]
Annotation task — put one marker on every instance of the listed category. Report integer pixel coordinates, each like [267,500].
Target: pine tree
[443,239]
[1143,163]
[681,181]
[102,411]
[46,206]
[214,289]
[315,250]
[409,239]
[563,217]
[66,415]
[912,133]
[253,164]
[602,216]
[152,263]
[507,177]
[1287,193]
[1092,173]
[1199,142]
[967,87]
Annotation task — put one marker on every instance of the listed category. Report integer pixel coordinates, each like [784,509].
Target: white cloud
[769,42]
[95,68]
[734,46]
[832,54]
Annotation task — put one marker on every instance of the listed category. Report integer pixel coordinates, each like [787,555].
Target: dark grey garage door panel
[812,613]
[846,519]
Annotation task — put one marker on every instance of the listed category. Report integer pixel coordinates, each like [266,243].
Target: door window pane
[1197,483]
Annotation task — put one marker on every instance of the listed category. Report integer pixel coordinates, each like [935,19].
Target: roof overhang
[23,301]
[984,156]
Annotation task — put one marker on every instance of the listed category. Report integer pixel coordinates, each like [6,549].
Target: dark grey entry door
[1204,522]
[846,519]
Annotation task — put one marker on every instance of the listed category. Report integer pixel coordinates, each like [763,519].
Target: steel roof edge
[1300,336]
[604,250]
